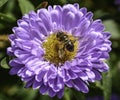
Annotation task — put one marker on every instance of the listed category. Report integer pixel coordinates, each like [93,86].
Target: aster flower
[117,2]
[45,62]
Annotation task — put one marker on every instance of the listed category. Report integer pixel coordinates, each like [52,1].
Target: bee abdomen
[70,47]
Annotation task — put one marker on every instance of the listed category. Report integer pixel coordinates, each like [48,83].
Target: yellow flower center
[57,52]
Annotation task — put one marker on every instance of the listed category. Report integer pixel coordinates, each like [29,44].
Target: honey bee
[65,43]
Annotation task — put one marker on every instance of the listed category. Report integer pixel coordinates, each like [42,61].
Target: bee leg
[61,52]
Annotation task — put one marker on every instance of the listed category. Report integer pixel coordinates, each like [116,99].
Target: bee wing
[61,53]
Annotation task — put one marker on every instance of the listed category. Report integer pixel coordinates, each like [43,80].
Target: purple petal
[80,85]
[40,76]
[43,89]
[46,19]
[97,75]
[36,84]
[56,84]
[69,83]
[60,94]
[51,93]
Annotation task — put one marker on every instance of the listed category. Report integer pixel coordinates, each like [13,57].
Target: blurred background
[12,88]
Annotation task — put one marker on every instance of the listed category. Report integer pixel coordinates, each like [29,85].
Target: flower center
[60,47]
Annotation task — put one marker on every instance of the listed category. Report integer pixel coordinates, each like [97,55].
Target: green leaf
[25,6]
[78,95]
[46,97]
[67,94]
[99,85]
[4,63]
[2,2]
[7,18]
[107,85]
[98,14]
[112,27]
[63,1]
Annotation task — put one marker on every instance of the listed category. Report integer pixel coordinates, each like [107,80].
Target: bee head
[59,34]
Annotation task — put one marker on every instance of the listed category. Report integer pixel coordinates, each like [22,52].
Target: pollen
[52,47]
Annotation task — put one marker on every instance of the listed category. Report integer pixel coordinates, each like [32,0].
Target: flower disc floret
[52,47]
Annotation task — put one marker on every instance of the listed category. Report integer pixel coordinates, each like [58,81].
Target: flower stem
[107,83]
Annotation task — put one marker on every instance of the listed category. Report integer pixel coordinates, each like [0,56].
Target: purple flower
[117,2]
[59,47]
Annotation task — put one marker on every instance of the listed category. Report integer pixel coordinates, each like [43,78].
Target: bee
[65,43]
